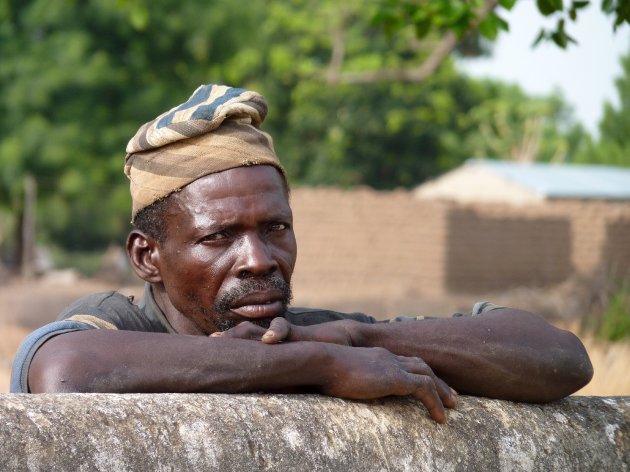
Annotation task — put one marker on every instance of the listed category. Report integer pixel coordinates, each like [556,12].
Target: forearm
[508,354]
[126,362]
[132,362]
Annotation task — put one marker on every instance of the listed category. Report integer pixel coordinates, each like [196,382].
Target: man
[213,239]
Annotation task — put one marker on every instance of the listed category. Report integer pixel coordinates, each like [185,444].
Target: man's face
[230,249]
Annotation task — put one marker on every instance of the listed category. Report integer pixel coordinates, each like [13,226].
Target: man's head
[219,247]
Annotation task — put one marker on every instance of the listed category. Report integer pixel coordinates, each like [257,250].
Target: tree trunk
[27,228]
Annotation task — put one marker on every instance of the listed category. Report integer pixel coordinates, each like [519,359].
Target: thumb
[279,330]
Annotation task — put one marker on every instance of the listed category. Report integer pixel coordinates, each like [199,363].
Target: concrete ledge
[308,433]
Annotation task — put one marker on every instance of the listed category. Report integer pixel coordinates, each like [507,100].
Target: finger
[447,394]
[243,330]
[416,365]
[279,330]
[427,393]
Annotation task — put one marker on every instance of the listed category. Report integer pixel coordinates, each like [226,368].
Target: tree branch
[415,74]
[337,55]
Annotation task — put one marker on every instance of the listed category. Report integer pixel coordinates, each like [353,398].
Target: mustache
[223,303]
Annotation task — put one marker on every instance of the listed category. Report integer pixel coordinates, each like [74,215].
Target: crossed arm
[506,354]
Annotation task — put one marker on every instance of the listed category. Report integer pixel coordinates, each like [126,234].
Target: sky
[584,73]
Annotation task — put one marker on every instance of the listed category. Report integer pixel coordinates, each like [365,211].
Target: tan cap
[215,130]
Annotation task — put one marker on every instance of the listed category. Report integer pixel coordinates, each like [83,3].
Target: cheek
[194,275]
[288,253]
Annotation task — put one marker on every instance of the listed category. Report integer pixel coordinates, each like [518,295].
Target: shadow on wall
[485,254]
[616,249]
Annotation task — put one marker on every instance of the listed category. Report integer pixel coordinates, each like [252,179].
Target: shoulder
[110,310]
[99,306]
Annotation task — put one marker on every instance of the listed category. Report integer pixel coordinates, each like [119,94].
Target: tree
[613,145]
[78,79]
[435,29]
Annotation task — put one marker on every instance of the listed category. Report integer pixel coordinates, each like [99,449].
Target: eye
[278,227]
[214,237]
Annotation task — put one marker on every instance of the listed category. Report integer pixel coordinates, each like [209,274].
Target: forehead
[232,194]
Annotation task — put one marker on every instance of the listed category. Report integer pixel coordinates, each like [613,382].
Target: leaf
[501,23]
[559,39]
[608,6]
[578,4]
[548,7]
[488,28]
[542,35]
[507,4]
[422,28]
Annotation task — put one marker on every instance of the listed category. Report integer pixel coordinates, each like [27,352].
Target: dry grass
[11,335]
[610,361]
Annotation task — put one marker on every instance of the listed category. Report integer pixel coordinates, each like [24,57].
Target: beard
[224,319]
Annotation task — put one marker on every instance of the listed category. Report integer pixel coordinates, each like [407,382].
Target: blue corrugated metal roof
[564,180]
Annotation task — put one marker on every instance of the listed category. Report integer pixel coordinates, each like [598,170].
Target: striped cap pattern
[215,130]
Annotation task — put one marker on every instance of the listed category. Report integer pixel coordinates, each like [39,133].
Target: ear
[144,255]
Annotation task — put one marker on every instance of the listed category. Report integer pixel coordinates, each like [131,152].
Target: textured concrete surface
[308,433]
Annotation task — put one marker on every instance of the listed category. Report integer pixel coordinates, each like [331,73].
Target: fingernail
[453,392]
[268,334]
[216,334]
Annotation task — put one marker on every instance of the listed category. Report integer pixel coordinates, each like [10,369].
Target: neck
[180,323]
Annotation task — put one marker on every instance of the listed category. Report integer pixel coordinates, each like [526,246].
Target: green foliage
[614,323]
[78,79]
[613,145]
[616,319]
[462,16]
[619,9]
[510,125]
[86,263]
[431,16]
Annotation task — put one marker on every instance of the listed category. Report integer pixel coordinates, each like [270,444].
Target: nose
[255,257]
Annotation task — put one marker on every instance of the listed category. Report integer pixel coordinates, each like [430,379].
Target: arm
[504,353]
[126,361]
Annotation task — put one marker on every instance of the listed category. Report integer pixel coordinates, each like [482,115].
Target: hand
[280,330]
[368,373]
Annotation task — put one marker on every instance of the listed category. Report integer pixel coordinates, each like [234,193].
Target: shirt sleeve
[478,309]
[26,351]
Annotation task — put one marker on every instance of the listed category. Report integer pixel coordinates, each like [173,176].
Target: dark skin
[228,236]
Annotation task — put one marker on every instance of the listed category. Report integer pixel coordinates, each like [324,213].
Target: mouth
[259,305]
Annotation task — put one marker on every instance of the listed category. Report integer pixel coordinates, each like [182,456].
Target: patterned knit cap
[215,130]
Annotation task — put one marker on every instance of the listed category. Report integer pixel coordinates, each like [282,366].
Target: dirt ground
[34,303]
[25,306]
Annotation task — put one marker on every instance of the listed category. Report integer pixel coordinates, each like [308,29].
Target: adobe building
[484,227]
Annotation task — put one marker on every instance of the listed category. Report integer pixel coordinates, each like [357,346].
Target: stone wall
[308,433]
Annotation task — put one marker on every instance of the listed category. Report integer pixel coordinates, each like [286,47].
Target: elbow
[56,374]
[570,370]
[580,364]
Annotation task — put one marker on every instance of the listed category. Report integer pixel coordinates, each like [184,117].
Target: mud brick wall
[363,245]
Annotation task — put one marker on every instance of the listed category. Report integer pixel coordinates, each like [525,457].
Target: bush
[614,323]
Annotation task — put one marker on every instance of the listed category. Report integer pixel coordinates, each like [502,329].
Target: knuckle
[425,384]
[380,351]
